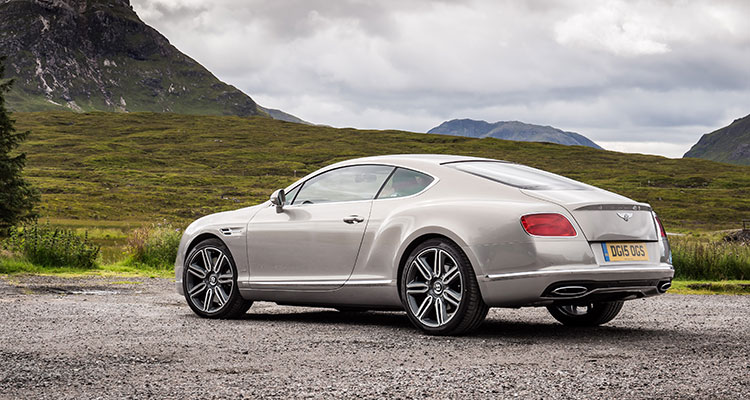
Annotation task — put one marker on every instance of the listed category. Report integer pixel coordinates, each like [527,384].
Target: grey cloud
[667,67]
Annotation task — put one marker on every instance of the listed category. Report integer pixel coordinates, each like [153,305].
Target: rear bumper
[593,283]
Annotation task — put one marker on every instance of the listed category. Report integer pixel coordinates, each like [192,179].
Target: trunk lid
[603,215]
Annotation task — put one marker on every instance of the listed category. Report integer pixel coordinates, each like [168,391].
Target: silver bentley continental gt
[442,237]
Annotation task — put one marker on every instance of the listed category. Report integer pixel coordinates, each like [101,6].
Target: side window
[360,182]
[405,182]
[291,194]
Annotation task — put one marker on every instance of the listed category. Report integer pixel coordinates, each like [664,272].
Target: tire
[591,314]
[441,301]
[213,301]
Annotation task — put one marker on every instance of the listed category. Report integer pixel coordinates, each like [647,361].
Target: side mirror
[278,198]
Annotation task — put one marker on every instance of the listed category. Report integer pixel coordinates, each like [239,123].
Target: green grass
[9,266]
[109,174]
[707,256]
[49,246]
[153,246]
[710,287]
[131,169]
[12,266]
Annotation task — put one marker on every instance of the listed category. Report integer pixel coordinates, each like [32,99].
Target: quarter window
[404,182]
[291,194]
[360,182]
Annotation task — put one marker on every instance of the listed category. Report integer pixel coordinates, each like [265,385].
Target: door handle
[353,219]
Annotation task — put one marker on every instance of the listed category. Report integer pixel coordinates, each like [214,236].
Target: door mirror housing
[278,198]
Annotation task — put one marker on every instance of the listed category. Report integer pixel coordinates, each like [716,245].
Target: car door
[313,243]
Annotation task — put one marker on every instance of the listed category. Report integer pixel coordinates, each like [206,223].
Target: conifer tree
[17,196]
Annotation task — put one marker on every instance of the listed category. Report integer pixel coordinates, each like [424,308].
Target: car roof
[427,163]
[415,159]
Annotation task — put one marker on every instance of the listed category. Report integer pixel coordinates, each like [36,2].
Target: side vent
[230,231]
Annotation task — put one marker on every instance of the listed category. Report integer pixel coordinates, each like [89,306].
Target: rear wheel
[439,290]
[589,314]
[209,281]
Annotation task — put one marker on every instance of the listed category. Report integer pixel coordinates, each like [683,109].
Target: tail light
[547,225]
[661,226]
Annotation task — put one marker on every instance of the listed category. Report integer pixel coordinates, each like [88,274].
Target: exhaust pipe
[664,286]
[569,291]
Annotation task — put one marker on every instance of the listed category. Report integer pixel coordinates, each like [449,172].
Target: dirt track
[92,338]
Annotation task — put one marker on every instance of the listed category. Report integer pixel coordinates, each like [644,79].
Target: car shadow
[492,328]
[530,331]
[335,317]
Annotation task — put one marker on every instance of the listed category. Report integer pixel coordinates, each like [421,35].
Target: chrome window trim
[342,167]
[434,181]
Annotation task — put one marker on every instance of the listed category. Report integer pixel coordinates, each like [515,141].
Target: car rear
[591,245]
[628,242]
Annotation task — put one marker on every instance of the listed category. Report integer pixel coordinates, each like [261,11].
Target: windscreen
[517,175]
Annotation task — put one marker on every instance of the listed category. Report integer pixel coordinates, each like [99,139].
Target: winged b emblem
[625,215]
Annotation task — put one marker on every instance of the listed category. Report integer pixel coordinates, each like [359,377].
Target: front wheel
[209,281]
[589,314]
[439,290]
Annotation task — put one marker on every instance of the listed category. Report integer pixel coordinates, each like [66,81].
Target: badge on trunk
[626,216]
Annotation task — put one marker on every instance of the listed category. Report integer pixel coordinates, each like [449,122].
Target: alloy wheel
[434,287]
[209,281]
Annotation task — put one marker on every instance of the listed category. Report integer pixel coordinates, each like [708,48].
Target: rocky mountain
[88,55]
[730,144]
[511,130]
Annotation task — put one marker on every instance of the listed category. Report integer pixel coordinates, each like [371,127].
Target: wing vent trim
[230,231]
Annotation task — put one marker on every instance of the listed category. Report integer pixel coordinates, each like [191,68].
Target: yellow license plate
[624,251]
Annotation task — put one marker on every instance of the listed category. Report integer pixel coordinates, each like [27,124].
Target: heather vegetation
[706,257]
[153,246]
[134,169]
[47,246]
[111,175]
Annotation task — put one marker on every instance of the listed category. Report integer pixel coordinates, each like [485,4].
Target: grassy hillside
[729,144]
[119,170]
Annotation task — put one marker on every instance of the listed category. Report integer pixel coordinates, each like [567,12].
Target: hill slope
[145,167]
[85,55]
[729,144]
[511,130]
[282,116]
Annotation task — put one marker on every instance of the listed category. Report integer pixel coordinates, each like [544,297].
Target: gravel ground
[113,338]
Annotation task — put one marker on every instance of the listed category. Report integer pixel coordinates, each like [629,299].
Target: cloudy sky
[636,76]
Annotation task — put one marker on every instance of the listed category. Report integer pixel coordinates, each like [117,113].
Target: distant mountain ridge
[86,55]
[730,144]
[511,130]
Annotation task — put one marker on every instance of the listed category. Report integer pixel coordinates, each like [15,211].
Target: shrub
[154,246]
[707,259]
[46,246]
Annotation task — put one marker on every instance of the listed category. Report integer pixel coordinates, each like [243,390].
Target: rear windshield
[517,175]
